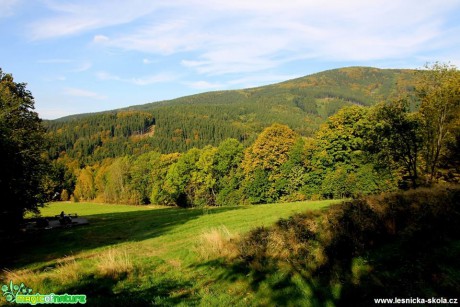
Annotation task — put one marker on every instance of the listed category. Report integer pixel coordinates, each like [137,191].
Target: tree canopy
[22,152]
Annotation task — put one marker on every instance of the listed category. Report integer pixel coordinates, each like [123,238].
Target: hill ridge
[281,83]
[208,118]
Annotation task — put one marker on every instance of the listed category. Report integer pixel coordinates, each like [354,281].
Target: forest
[338,134]
[210,118]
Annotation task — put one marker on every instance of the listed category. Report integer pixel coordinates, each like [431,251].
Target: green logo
[23,295]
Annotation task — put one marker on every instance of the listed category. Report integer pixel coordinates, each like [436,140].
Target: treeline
[358,151]
[208,119]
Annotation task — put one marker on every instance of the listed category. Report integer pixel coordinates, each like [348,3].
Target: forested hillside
[379,133]
[208,119]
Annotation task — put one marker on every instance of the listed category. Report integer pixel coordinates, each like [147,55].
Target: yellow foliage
[271,148]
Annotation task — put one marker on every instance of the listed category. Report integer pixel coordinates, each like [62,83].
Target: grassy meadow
[143,255]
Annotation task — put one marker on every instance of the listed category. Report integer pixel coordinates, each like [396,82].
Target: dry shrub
[217,243]
[277,245]
[114,263]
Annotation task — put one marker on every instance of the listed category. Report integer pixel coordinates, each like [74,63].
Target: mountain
[208,118]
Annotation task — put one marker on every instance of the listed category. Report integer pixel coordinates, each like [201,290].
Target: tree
[271,149]
[141,175]
[85,187]
[340,153]
[179,178]
[160,168]
[263,161]
[397,137]
[204,178]
[438,92]
[117,188]
[59,178]
[22,161]
[338,183]
[257,187]
[229,156]
[341,138]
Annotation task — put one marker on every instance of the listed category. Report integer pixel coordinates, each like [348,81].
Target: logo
[21,294]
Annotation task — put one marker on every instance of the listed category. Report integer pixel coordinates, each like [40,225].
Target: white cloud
[168,37]
[100,38]
[71,91]
[72,18]
[7,7]
[148,61]
[251,36]
[240,36]
[83,67]
[146,80]
[102,75]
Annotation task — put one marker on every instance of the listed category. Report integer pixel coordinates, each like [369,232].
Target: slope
[208,118]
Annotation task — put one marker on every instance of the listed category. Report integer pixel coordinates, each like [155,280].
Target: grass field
[132,255]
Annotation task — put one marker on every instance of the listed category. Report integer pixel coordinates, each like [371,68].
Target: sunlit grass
[84,208]
[114,263]
[162,252]
[216,242]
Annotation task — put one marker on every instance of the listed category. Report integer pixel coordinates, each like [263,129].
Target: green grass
[140,255]
[85,209]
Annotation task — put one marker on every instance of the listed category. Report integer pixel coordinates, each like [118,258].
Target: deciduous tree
[22,163]
[438,91]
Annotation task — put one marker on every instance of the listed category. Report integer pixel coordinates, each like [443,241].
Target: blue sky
[94,55]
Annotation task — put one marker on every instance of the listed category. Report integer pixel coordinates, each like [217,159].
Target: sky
[93,55]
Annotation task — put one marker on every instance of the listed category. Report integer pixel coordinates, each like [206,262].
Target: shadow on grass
[103,230]
[401,245]
[275,285]
[99,291]
[396,269]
